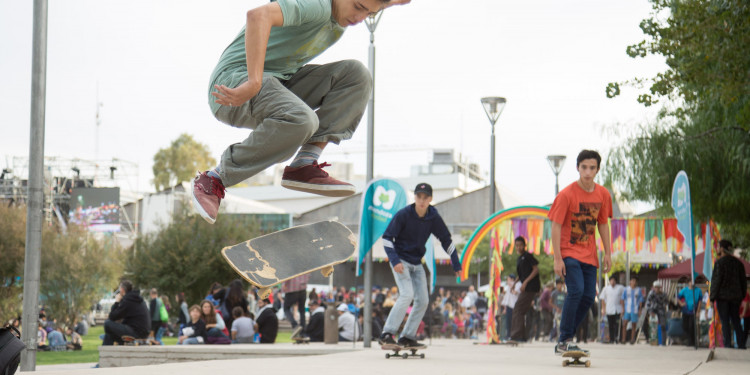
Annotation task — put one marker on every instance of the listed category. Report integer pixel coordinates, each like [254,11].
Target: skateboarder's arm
[559,266]
[389,236]
[258,29]
[534,272]
[604,233]
[440,230]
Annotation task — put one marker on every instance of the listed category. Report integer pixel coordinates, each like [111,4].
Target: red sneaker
[313,179]
[207,194]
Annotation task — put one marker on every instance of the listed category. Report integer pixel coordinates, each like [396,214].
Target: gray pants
[320,103]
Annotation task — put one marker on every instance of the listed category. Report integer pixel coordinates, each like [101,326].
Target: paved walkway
[459,357]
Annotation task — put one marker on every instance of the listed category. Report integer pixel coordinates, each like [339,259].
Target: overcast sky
[151,61]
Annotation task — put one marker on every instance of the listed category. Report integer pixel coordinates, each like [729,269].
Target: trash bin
[331,325]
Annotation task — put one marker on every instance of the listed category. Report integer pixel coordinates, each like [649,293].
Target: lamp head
[493,106]
[556,162]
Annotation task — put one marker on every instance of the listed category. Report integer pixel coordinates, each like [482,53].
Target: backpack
[10,350]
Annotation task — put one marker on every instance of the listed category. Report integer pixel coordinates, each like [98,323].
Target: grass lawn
[91,343]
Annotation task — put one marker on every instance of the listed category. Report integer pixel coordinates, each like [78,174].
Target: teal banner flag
[381,200]
[429,260]
[684,213]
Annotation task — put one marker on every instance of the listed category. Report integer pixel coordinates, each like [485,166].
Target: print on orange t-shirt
[579,212]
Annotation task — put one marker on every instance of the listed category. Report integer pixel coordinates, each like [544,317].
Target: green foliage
[185,256]
[179,162]
[620,264]
[12,248]
[704,126]
[76,269]
[480,260]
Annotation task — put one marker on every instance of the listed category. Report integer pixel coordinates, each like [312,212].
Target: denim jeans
[191,341]
[215,332]
[507,322]
[412,285]
[580,279]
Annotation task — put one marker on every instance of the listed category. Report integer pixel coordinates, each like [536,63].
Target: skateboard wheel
[264,293]
[565,363]
[405,356]
[387,355]
[326,271]
[421,356]
[588,363]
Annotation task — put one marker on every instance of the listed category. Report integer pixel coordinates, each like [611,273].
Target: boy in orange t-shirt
[577,212]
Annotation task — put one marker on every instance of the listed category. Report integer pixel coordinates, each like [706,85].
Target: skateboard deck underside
[273,258]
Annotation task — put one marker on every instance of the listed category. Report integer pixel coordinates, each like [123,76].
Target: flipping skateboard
[274,258]
[395,348]
[576,355]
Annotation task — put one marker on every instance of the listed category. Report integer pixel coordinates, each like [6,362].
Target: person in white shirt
[472,295]
[612,307]
[509,302]
[348,326]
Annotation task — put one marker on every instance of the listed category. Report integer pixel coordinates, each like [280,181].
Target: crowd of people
[525,311]
[54,337]
[226,315]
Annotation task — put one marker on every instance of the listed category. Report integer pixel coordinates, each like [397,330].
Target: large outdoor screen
[96,208]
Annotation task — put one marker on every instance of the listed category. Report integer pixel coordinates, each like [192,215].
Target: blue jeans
[580,279]
[508,319]
[191,341]
[412,285]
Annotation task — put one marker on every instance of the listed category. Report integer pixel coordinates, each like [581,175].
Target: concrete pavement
[459,357]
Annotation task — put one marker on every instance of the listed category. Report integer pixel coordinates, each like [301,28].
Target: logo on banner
[384,198]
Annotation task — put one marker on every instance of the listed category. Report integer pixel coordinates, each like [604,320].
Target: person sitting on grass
[195,331]
[57,340]
[267,324]
[242,327]
[75,342]
[214,322]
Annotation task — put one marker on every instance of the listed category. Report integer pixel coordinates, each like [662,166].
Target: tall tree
[179,162]
[704,123]
[76,267]
[185,256]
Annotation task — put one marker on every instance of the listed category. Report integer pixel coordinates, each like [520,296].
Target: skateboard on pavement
[576,355]
[276,257]
[395,348]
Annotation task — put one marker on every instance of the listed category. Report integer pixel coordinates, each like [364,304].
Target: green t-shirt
[308,30]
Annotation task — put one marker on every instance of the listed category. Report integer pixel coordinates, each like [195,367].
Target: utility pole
[35,205]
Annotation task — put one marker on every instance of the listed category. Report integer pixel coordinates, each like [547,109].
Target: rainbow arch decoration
[487,225]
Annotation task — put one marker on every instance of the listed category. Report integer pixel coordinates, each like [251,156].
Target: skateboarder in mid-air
[404,241]
[263,82]
[576,213]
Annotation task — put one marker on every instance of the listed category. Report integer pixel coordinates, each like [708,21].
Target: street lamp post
[493,106]
[556,162]
[372,23]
